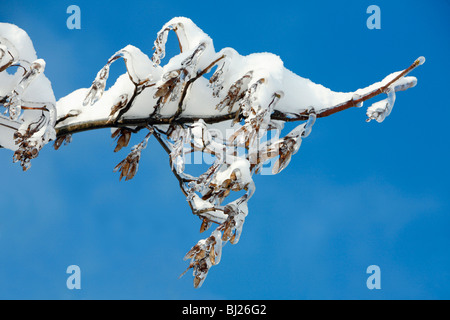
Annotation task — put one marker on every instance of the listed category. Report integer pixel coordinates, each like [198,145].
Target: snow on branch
[235,117]
[29,119]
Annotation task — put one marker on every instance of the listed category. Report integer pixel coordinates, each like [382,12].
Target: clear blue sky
[355,195]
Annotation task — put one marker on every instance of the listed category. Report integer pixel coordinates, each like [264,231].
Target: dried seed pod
[212,256]
[205,225]
[123,137]
[121,104]
[129,166]
[66,139]
[226,183]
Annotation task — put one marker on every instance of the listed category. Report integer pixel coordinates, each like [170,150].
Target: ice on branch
[29,114]
[216,103]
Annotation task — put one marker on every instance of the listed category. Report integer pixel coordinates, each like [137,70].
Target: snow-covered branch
[217,103]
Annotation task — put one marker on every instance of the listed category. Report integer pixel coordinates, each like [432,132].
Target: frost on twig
[235,118]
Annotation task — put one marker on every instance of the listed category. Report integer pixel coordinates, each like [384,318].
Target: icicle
[239,222]
[179,136]
[4,59]
[191,61]
[357,97]
[200,136]
[421,60]
[232,227]
[11,49]
[178,162]
[218,246]
[249,101]
[404,83]
[180,82]
[119,105]
[309,124]
[97,87]
[381,109]
[216,82]
[202,183]
[160,45]
[14,103]
[235,91]
[290,144]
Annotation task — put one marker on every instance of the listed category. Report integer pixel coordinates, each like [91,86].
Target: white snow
[30,89]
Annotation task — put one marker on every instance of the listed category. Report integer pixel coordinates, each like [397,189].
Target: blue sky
[355,195]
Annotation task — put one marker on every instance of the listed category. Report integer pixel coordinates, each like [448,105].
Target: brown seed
[226,193]
[132,171]
[115,133]
[124,169]
[226,183]
[34,152]
[197,281]
[226,233]
[205,225]
[212,256]
[233,237]
[236,187]
[200,255]
[58,142]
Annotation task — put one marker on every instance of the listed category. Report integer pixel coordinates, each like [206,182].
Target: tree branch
[276,115]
